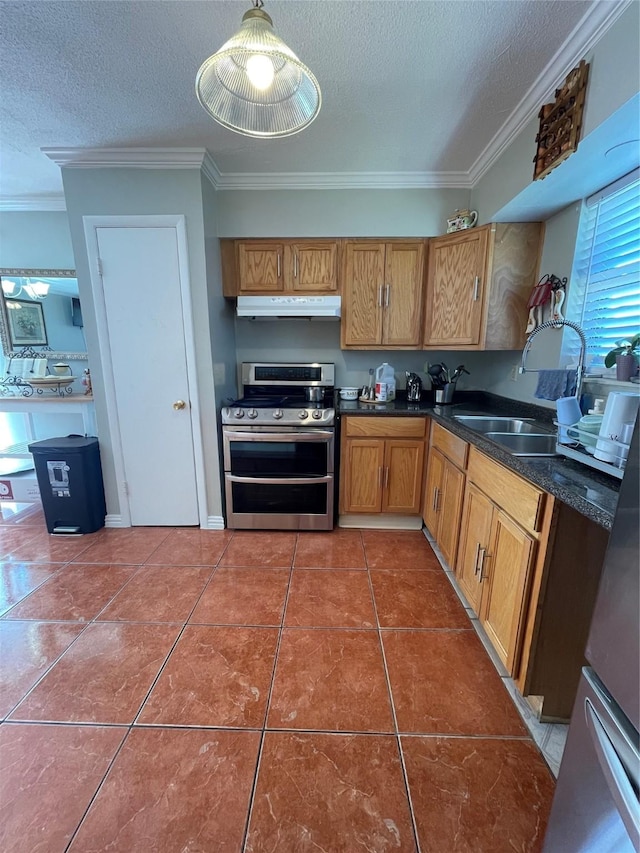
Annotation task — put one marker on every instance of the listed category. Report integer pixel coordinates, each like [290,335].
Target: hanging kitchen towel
[553,384]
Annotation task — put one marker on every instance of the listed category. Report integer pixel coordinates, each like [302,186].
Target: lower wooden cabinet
[475,533]
[443,503]
[382,462]
[494,567]
[444,490]
[505,569]
[496,553]
[529,566]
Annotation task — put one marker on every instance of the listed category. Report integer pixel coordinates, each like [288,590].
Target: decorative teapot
[462,219]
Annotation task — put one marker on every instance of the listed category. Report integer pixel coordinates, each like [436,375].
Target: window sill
[603,380]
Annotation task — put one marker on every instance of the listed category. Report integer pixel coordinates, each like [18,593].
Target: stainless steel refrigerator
[596,807]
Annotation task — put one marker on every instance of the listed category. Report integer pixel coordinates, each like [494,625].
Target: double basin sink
[519,436]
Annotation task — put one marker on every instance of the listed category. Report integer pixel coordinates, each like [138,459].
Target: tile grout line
[254,785]
[403,768]
[172,649]
[99,788]
[132,725]
[31,591]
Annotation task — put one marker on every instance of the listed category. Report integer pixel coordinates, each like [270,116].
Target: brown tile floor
[170,690]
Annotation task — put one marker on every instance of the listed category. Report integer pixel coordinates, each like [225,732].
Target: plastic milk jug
[385,382]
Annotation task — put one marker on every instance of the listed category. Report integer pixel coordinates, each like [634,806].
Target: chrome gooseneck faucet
[554,324]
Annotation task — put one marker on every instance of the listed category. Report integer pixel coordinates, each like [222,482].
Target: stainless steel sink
[527,444]
[481,423]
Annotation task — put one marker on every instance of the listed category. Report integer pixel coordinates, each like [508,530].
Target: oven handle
[294,435]
[284,481]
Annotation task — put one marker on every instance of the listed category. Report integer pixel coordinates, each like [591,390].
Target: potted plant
[623,355]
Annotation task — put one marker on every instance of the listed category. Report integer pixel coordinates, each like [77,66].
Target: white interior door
[141,272]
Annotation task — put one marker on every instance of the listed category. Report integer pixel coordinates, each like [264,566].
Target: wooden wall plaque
[561,123]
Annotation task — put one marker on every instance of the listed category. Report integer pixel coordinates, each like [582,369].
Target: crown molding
[44,203]
[211,171]
[589,30]
[121,158]
[342,180]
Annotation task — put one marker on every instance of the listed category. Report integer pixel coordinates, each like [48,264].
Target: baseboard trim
[381,521]
[112,520]
[215,522]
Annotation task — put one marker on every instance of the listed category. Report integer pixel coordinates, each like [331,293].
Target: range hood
[284,307]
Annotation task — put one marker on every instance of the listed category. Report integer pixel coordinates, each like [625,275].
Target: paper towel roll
[621,408]
[569,413]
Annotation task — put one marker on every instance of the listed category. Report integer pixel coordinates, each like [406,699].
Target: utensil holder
[444,395]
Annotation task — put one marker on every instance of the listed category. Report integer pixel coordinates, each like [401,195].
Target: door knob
[179,404]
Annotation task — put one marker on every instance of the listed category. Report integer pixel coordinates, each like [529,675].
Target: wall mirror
[41,309]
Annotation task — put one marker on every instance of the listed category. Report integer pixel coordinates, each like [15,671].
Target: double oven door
[279,478]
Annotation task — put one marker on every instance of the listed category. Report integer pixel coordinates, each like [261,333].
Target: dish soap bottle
[385,383]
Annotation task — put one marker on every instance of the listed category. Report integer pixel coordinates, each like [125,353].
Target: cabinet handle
[475,562]
[386,477]
[295,265]
[435,498]
[380,470]
[476,288]
[483,554]
[387,295]
[380,295]
[278,264]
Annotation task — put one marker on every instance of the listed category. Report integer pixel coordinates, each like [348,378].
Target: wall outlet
[514,372]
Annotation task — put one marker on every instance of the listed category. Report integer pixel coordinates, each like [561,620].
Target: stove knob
[252,413]
[239,413]
[277,414]
[303,414]
[316,414]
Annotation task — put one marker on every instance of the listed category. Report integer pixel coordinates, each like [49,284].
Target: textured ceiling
[407,86]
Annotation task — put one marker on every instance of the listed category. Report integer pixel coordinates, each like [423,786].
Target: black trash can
[70,480]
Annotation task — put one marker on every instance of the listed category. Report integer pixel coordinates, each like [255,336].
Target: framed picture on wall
[26,323]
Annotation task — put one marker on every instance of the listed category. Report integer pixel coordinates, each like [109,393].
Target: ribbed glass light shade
[224,89]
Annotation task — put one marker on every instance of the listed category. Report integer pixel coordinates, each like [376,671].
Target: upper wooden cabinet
[478,284]
[311,267]
[260,267]
[382,294]
[277,266]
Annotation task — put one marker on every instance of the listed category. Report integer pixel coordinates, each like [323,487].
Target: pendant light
[256,85]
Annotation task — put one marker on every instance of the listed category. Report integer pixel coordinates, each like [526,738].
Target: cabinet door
[402,299]
[454,291]
[433,489]
[363,475]
[403,476]
[450,508]
[311,267]
[507,566]
[260,266]
[363,291]
[475,534]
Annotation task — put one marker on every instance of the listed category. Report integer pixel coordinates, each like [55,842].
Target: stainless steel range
[279,446]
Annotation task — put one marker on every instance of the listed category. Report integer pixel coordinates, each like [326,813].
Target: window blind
[606,272]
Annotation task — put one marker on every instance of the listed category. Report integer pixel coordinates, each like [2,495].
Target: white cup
[569,414]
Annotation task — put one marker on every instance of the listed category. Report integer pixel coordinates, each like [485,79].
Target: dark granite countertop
[589,492]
